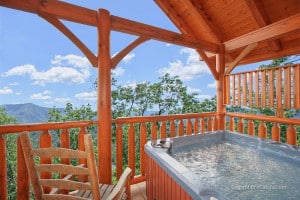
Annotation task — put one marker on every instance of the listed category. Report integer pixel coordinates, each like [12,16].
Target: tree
[11,154]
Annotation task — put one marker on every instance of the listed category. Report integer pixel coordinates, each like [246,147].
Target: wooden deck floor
[138,191]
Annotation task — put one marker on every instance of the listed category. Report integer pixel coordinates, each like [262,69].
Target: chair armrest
[123,183]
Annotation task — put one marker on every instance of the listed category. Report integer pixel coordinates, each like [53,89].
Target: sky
[39,65]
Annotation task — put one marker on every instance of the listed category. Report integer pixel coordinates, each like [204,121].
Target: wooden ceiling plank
[274,30]
[61,27]
[117,58]
[210,64]
[261,16]
[242,55]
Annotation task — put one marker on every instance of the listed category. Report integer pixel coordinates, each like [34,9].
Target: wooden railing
[265,126]
[131,130]
[136,131]
[272,87]
[45,140]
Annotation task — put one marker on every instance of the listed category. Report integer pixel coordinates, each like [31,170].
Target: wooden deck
[138,191]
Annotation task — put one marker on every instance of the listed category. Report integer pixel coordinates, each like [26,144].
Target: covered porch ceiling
[249,30]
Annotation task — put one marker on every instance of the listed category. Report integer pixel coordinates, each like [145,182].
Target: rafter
[275,30]
[261,16]
[70,12]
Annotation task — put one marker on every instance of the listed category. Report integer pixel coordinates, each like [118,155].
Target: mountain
[27,113]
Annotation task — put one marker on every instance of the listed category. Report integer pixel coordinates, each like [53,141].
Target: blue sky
[38,64]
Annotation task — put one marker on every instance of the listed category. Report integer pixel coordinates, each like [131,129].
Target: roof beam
[262,19]
[275,30]
[87,16]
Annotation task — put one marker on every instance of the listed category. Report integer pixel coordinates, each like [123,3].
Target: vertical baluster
[250,127]
[65,143]
[250,89]
[245,89]
[82,132]
[233,90]
[231,124]
[3,176]
[257,104]
[45,142]
[163,130]
[209,124]
[143,141]
[291,136]
[189,127]
[119,150]
[262,130]
[202,122]
[240,126]
[227,89]
[181,128]
[22,174]
[239,90]
[172,128]
[263,88]
[216,123]
[278,88]
[153,131]
[297,87]
[196,126]
[276,132]
[287,87]
[131,148]
[271,88]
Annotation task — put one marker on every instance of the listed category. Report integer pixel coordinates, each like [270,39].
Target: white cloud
[212,85]
[204,96]
[14,84]
[88,96]
[22,70]
[6,90]
[41,95]
[62,100]
[192,68]
[128,58]
[193,90]
[70,69]
[118,71]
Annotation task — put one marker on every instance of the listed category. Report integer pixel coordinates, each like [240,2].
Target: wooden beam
[61,27]
[78,14]
[242,55]
[261,16]
[288,48]
[210,65]
[275,30]
[117,58]
[140,29]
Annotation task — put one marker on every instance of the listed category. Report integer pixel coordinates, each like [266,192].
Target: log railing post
[119,150]
[45,142]
[251,127]
[276,132]
[262,130]
[291,136]
[104,97]
[131,148]
[240,127]
[143,141]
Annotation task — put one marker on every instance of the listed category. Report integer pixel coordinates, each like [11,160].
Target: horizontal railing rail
[270,127]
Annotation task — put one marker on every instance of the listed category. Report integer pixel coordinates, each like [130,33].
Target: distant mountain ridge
[27,113]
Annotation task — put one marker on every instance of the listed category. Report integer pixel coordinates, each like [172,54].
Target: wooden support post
[104,98]
[221,108]
[3,176]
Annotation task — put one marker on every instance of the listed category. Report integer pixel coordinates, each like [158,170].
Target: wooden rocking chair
[67,188]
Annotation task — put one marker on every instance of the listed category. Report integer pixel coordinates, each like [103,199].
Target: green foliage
[11,154]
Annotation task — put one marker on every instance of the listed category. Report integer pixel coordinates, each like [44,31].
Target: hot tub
[222,165]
